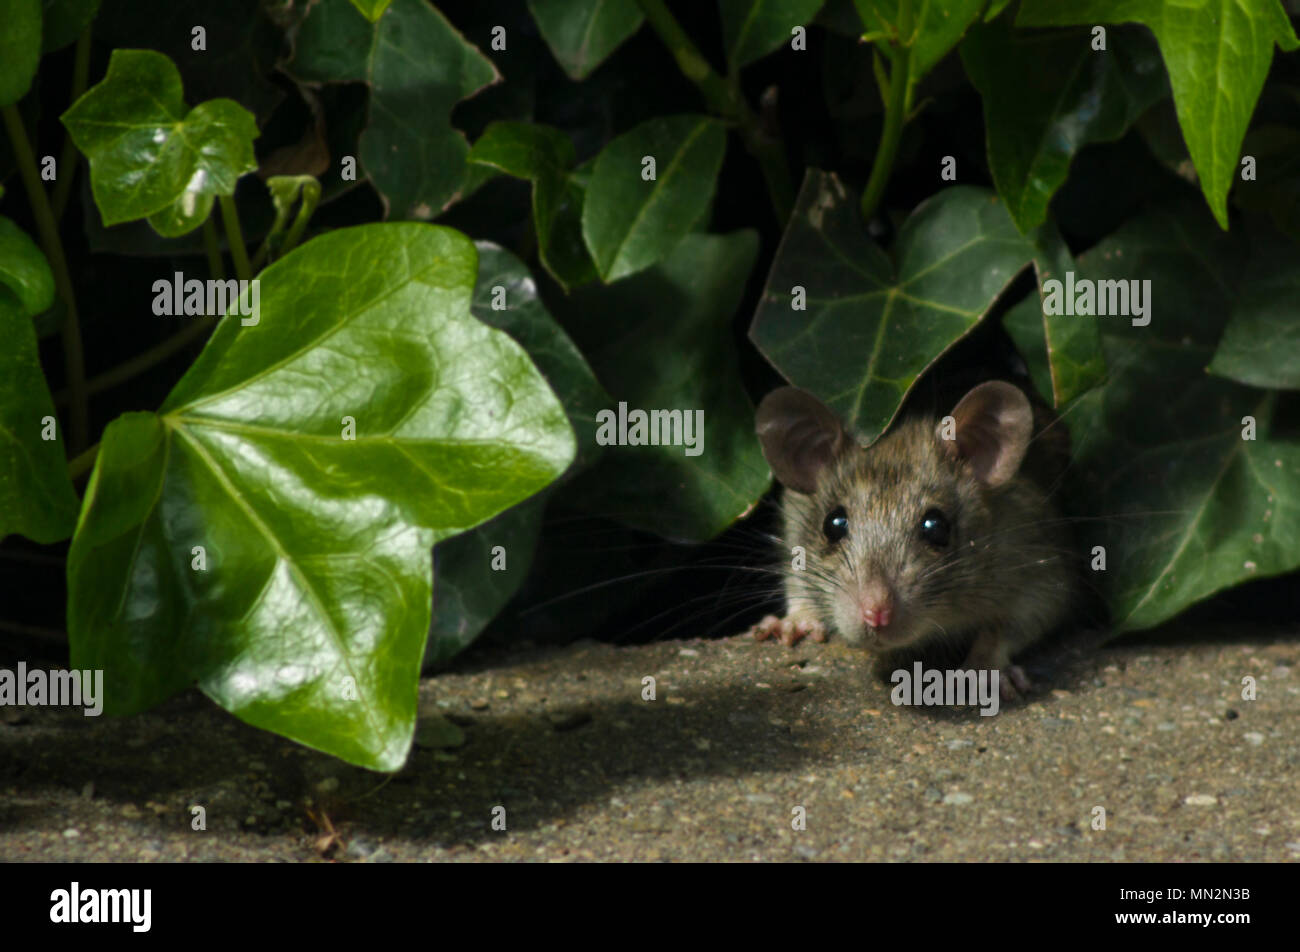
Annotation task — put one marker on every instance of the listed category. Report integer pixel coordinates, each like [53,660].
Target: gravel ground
[741,734]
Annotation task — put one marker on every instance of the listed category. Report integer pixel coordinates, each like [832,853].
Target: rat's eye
[836,526]
[935,528]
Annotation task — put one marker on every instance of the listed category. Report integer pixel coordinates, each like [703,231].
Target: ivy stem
[216,264]
[82,463]
[900,91]
[74,360]
[235,238]
[70,158]
[725,99]
[142,362]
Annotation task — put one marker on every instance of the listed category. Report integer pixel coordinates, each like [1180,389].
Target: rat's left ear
[994,426]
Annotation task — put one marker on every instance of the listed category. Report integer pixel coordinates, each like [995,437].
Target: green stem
[81,465]
[142,362]
[307,208]
[216,264]
[900,91]
[70,157]
[724,98]
[235,238]
[74,360]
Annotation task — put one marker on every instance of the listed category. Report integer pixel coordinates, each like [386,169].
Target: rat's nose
[877,604]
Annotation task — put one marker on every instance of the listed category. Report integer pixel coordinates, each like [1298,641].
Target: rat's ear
[799,435]
[994,425]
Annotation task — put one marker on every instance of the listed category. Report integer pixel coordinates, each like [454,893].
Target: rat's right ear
[799,435]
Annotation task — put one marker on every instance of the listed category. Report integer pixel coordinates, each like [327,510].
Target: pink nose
[877,616]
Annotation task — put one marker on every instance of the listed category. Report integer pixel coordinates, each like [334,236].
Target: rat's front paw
[789,629]
[1013,683]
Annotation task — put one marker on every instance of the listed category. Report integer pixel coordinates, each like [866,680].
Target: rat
[941,530]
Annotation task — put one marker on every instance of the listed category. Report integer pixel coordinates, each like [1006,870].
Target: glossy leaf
[630,223]
[874,321]
[20,47]
[417,67]
[545,157]
[311,614]
[662,340]
[1217,56]
[582,33]
[146,150]
[469,590]
[753,28]
[64,21]
[1183,504]
[1048,96]
[36,495]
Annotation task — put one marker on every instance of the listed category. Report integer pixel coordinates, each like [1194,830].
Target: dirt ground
[740,736]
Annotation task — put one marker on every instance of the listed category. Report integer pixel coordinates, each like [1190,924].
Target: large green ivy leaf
[544,156]
[315,456]
[582,33]
[1046,97]
[630,222]
[1217,54]
[874,321]
[418,67]
[64,21]
[662,340]
[20,47]
[753,28]
[469,589]
[146,150]
[36,495]
[1182,503]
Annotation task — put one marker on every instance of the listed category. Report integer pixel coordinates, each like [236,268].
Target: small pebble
[958,799]
[959,744]
[71,833]
[1254,738]
[1201,800]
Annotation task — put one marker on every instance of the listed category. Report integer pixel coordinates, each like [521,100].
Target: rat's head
[899,537]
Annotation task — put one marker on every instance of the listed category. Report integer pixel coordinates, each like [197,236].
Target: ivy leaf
[629,223]
[753,28]
[582,33]
[544,156]
[671,348]
[146,150]
[36,496]
[469,589]
[268,532]
[874,321]
[417,67]
[20,48]
[1173,486]
[64,21]
[1217,56]
[1261,344]
[937,31]
[1063,351]
[1046,97]
[372,10]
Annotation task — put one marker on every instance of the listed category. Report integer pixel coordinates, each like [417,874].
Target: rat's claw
[769,627]
[1014,682]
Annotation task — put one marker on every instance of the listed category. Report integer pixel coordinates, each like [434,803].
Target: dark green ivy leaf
[753,28]
[582,33]
[20,47]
